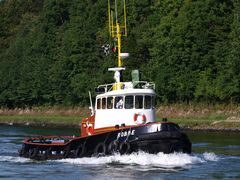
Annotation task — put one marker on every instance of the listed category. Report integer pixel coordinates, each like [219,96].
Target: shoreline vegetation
[51,52]
[194,118]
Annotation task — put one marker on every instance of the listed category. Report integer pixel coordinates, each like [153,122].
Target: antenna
[91,104]
[117,26]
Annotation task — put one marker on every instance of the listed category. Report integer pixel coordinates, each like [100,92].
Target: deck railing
[125,85]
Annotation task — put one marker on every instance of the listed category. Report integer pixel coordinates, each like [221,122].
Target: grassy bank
[208,123]
[197,117]
[41,120]
[44,116]
[202,117]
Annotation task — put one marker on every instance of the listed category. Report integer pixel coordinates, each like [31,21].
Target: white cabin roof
[127,88]
[127,92]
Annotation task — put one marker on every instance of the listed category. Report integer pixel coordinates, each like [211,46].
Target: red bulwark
[87,126]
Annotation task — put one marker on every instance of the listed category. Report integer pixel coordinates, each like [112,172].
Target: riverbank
[188,117]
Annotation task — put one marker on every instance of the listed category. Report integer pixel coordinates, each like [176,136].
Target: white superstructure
[126,106]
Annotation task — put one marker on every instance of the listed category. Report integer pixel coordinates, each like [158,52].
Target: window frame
[104,103]
[132,107]
[144,103]
[115,103]
[99,103]
[112,102]
[135,101]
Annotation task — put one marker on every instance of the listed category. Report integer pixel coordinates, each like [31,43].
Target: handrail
[138,85]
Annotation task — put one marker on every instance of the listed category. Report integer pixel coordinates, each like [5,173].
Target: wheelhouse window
[104,103]
[128,102]
[98,103]
[147,102]
[110,102]
[118,102]
[138,102]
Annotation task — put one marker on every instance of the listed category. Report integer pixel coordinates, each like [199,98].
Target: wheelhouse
[128,106]
[128,101]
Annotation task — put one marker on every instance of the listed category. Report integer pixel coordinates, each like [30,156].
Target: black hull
[152,138]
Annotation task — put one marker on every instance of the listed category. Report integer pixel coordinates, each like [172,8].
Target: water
[215,156]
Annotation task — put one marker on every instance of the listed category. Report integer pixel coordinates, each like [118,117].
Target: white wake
[145,159]
[139,158]
[14,159]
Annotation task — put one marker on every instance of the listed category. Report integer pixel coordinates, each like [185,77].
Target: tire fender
[113,147]
[124,148]
[48,153]
[33,152]
[66,151]
[100,148]
[22,151]
[80,151]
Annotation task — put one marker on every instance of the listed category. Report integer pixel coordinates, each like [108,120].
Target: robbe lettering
[126,133]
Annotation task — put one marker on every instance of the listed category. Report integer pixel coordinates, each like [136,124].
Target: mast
[117,29]
[119,45]
[117,26]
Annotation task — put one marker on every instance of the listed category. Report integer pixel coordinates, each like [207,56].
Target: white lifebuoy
[137,120]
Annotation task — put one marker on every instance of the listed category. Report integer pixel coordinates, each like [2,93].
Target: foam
[139,158]
[145,159]
[14,159]
[210,156]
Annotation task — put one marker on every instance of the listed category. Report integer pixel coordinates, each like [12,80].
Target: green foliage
[50,50]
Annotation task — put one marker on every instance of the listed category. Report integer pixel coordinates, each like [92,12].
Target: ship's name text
[126,133]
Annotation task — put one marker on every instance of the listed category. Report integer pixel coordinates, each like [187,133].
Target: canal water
[215,156]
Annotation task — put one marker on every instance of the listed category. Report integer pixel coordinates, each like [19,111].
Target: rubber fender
[66,151]
[80,150]
[33,152]
[124,148]
[22,151]
[100,148]
[113,147]
[48,153]
[175,148]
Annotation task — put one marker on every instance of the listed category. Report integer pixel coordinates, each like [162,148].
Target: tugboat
[122,121]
